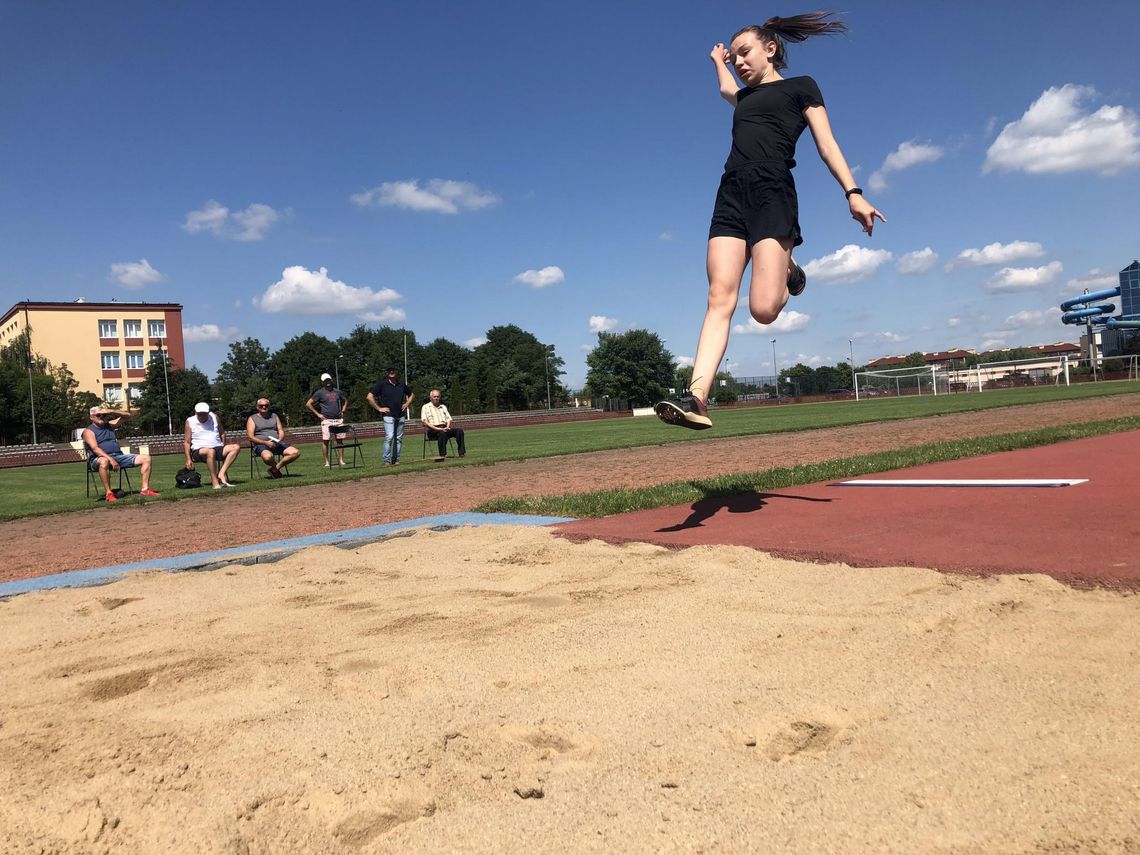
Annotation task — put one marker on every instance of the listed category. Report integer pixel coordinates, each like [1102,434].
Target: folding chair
[93,476]
[428,438]
[341,433]
[255,461]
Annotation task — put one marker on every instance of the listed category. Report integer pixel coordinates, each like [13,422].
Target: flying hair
[797,28]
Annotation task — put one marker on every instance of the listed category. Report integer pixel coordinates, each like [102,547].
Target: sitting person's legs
[209,456]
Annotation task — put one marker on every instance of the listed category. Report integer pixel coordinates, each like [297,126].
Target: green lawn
[36,490]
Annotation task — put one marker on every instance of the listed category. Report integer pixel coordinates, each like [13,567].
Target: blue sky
[283,167]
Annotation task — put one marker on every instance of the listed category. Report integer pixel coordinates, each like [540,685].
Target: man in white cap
[104,453]
[204,441]
[328,405]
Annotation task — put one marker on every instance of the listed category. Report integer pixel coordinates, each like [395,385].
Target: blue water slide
[1078,316]
[1088,298]
[1118,324]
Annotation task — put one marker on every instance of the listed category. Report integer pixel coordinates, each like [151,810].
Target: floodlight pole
[31,385]
[166,381]
[775,372]
[546,353]
[336,367]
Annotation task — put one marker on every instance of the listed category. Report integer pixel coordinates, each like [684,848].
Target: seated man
[104,453]
[437,423]
[267,437]
[204,441]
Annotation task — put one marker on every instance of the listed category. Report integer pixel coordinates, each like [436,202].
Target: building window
[134,391]
[135,359]
[113,392]
[108,329]
[156,354]
[132,329]
[156,329]
[110,359]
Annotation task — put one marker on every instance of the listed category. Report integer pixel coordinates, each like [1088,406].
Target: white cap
[97,409]
[201,407]
[325,377]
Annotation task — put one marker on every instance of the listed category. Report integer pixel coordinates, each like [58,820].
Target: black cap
[389,369]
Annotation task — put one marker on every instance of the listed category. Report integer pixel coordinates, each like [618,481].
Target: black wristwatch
[853,191]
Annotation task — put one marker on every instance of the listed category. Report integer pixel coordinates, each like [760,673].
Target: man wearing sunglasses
[266,434]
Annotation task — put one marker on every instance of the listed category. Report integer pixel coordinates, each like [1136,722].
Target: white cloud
[135,274]
[919,261]
[953,322]
[1058,134]
[667,236]
[248,225]
[600,323]
[438,195]
[387,315]
[475,342]
[541,278]
[1095,280]
[994,340]
[908,154]
[683,361]
[307,292]
[808,359]
[1026,318]
[998,253]
[849,264]
[1024,278]
[208,332]
[789,321]
[892,337]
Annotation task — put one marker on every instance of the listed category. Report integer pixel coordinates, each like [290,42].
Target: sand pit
[500,689]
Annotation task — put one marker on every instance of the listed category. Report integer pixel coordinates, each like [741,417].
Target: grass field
[37,490]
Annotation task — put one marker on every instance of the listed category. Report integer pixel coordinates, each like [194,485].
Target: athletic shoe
[111,497]
[274,472]
[148,492]
[689,411]
[797,279]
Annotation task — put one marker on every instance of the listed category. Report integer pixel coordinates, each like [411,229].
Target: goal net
[925,380]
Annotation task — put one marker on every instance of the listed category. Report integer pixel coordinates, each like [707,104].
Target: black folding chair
[93,475]
[345,436]
[255,461]
[429,438]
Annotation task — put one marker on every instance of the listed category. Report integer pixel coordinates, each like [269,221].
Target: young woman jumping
[756,215]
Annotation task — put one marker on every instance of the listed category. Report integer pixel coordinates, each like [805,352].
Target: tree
[301,361]
[633,365]
[59,406]
[186,386]
[240,381]
[511,369]
[914,360]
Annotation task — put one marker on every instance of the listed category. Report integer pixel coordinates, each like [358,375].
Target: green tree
[511,369]
[301,360]
[241,379]
[34,383]
[914,360]
[633,365]
[186,388]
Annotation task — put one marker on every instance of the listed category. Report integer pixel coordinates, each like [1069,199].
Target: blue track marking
[261,553]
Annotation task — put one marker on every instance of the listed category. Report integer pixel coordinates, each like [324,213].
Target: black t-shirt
[769,119]
[391,395]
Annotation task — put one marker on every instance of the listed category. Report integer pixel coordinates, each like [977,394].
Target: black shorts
[757,201]
[198,455]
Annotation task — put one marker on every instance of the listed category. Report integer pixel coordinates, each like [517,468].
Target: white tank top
[204,434]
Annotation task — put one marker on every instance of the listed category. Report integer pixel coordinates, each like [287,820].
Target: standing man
[391,399]
[328,405]
[437,422]
[267,438]
[204,441]
[104,453]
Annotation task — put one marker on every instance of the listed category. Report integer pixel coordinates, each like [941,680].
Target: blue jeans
[393,432]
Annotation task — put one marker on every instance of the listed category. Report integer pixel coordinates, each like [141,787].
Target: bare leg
[325,449]
[230,453]
[768,290]
[143,461]
[725,263]
[105,475]
[211,465]
[291,454]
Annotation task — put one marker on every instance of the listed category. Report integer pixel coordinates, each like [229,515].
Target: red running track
[1086,534]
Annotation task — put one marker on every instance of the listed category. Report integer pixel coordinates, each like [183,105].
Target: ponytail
[797,28]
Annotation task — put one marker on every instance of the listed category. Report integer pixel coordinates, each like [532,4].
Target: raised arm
[862,211]
[728,85]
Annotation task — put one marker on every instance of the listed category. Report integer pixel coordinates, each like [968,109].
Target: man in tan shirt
[437,422]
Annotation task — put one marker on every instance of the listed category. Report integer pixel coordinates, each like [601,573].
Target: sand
[502,689]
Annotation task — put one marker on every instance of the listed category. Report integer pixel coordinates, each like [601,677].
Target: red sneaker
[111,497]
[148,492]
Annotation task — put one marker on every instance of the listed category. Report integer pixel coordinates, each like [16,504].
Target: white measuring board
[965,482]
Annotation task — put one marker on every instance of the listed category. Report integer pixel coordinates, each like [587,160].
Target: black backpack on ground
[187,478]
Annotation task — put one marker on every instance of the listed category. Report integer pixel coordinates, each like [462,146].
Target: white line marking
[968,482]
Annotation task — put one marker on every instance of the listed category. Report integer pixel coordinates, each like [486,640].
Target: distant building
[105,345]
[950,360]
[1118,342]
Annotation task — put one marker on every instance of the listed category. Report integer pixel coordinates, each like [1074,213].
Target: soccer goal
[924,380]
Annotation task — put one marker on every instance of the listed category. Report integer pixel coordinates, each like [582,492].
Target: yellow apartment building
[105,345]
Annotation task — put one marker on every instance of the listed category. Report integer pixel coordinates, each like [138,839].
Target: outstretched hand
[864,213]
[719,53]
